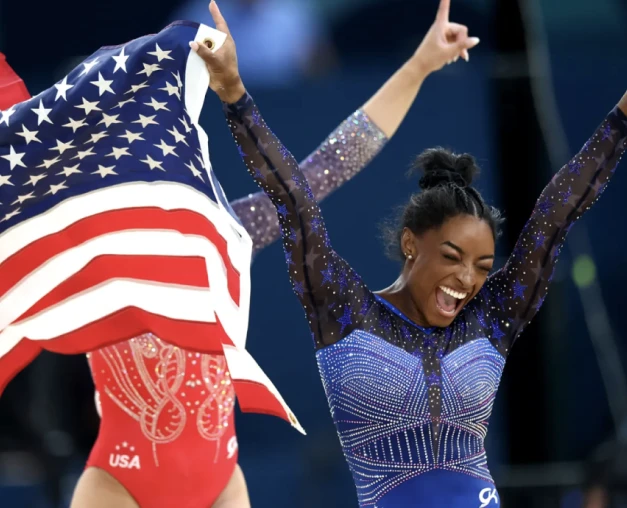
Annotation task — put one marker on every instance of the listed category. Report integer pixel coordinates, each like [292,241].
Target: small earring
[409,256]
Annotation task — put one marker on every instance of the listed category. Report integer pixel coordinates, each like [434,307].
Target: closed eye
[450,257]
[485,269]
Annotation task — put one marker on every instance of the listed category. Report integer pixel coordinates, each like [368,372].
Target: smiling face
[449,266]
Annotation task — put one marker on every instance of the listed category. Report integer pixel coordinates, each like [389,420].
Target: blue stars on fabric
[518,254]
[282,210]
[481,317]
[406,334]
[316,224]
[298,288]
[574,166]
[501,299]
[256,116]
[433,379]
[540,302]
[497,333]
[365,306]
[386,323]
[288,257]
[538,239]
[519,290]
[607,131]
[327,275]
[297,179]
[545,206]
[240,151]
[565,195]
[429,341]
[293,235]
[258,174]
[345,319]
[342,279]
[285,153]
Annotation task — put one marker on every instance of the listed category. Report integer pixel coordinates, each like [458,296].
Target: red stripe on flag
[15,360]
[183,270]
[186,222]
[254,397]
[132,322]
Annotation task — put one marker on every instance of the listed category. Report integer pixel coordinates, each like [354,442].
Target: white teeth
[453,293]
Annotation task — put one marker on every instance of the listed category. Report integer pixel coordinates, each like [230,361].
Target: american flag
[112,223]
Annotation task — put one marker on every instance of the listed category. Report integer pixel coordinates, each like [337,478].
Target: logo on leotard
[487,495]
[123,460]
[231,447]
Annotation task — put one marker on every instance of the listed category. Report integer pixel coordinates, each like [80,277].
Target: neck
[399,295]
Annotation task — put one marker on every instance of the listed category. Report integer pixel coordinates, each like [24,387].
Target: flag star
[202,162]
[185,124]
[28,135]
[35,178]
[62,89]
[69,170]
[160,54]
[166,149]
[11,214]
[156,105]
[56,188]
[132,136]
[118,152]
[42,113]
[97,137]
[88,66]
[49,162]
[24,197]
[104,85]
[104,171]
[5,180]
[135,88]
[152,163]
[89,106]
[177,76]
[62,147]
[120,61]
[146,120]
[14,158]
[195,171]
[108,120]
[149,69]
[6,114]
[178,137]
[172,90]
[123,103]
[84,153]
[75,124]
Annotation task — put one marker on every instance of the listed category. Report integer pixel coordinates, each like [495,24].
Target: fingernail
[475,40]
[193,45]
[456,58]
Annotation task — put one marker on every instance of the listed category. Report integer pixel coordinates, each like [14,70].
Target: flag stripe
[183,270]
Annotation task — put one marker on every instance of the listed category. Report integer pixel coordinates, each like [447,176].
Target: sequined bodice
[411,404]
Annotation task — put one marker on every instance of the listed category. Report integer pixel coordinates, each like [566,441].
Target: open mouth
[448,301]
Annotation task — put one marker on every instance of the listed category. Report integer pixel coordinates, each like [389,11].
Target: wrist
[416,68]
[232,93]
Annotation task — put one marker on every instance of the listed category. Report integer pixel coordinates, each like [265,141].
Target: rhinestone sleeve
[516,292]
[345,152]
[332,294]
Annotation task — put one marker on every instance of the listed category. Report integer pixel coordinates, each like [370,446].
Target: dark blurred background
[542,79]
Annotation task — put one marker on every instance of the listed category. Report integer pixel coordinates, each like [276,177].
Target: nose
[466,277]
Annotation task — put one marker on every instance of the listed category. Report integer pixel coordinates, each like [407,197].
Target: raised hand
[445,42]
[222,64]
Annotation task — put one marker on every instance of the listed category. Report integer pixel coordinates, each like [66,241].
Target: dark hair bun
[442,167]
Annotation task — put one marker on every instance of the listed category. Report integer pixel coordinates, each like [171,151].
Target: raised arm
[520,287]
[362,135]
[345,152]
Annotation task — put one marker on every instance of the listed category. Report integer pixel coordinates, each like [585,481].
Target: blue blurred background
[536,87]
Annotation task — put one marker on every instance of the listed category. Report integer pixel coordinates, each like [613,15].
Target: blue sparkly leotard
[411,404]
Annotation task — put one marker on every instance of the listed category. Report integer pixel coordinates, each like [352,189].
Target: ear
[408,244]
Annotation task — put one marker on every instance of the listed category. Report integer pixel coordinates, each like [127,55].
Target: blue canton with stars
[118,117]
[411,403]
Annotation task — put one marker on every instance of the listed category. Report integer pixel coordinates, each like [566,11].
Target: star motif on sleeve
[327,275]
[316,224]
[293,235]
[298,288]
[240,151]
[607,131]
[62,89]
[433,379]
[540,302]
[258,174]
[342,279]
[481,317]
[544,207]
[539,240]
[574,166]
[284,152]
[565,195]
[288,258]
[282,210]
[497,333]
[345,319]
[310,259]
[519,290]
[120,61]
